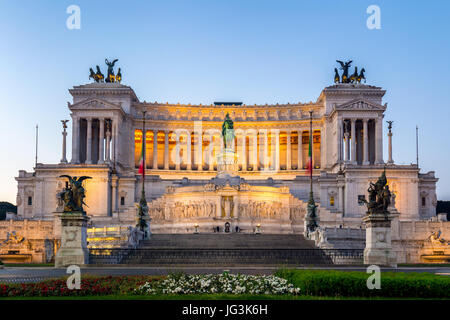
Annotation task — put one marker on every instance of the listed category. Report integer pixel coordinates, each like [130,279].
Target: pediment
[95,104]
[360,105]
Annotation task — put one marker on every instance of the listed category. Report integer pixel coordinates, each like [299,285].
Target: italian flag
[142,161]
[310,162]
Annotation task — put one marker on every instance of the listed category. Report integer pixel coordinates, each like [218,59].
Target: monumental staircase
[222,249]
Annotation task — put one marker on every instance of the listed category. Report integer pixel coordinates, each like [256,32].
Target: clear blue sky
[253,51]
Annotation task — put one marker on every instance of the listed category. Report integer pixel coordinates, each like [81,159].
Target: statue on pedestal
[379,196]
[73,195]
[228,132]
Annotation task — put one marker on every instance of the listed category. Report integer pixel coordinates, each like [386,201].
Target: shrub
[354,284]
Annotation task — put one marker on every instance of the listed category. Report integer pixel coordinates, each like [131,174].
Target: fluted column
[166,149]
[339,141]
[177,151]
[244,151]
[75,140]
[101,157]
[300,150]
[89,141]
[277,150]
[198,150]
[108,142]
[353,138]
[347,144]
[266,150]
[155,150]
[379,140]
[365,143]
[189,150]
[64,134]
[254,155]
[288,150]
[210,152]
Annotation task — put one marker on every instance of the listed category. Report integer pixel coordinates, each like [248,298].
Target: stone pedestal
[227,163]
[378,249]
[73,250]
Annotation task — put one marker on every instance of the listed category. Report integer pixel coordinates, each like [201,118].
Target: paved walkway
[33,274]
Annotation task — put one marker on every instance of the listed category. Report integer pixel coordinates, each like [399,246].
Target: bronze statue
[361,76]
[354,76]
[73,195]
[389,125]
[228,132]
[111,77]
[99,75]
[337,78]
[345,66]
[379,196]
[119,76]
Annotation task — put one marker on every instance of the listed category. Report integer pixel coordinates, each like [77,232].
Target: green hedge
[354,284]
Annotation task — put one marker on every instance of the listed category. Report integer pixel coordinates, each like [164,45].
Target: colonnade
[94,140]
[360,141]
[257,150]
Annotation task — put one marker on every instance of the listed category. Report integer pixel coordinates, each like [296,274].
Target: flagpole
[144,140]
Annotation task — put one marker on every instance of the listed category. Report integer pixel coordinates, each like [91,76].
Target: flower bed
[219,284]
[89,286]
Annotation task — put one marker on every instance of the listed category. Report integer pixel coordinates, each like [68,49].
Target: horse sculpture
[119,76]
[337,78]
[354,76]
[99,75]
[361,76]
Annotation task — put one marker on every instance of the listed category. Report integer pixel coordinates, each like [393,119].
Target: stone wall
[28,241]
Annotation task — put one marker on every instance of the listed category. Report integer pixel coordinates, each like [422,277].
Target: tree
[6,207]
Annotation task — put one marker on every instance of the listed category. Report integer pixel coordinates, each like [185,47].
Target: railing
[195,256]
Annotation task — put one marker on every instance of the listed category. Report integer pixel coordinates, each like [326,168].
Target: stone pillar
[114,193]
[73,249]
[114,142]
[379,140]
[75,140]
[378,249]
[390,160]
[353,137]
[101,137]
[300,149]
[189,151]
[219,207]
[117,141]
[198,150]
[64,134]
[339,140]
[108,142]
[166,149]
[244,151]
[155,150]
[277,150]
[255,151]
[235,207]
[265,153]
[177,150]
[347,144]
[211,152]
[89,141]
[365,143]
[288,150]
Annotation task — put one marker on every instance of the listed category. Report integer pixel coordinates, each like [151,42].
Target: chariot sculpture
[111,77]
[354,78]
